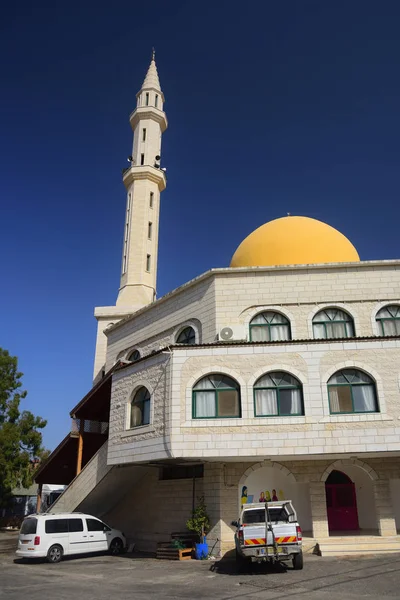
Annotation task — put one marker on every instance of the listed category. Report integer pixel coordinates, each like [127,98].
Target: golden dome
[294,241]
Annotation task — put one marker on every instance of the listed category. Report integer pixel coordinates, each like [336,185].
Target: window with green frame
[352,391]
[216,396]
[269,326]
[278,394]
[140,408]
[332,323]
[134,355]
[187,336]
[389,320]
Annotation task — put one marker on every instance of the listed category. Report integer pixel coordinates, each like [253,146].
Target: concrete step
[340,546]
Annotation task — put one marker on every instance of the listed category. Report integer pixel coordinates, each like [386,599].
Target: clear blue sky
[273,107]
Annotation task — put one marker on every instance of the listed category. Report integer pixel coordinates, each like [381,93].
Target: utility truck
[269,532]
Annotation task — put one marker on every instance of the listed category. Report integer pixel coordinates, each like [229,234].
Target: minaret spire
[144,181]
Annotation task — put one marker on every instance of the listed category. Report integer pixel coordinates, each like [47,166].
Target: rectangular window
[216,404]
[144,135]
[28,526]
[150,230]
[142,159]
[156,102]
[182,472]
[151,199]
[75,525]
[94,525]
[148,263]
[56,526]
[126,237]
[147,98]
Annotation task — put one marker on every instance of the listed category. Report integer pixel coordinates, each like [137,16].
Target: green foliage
[20,438]
[200,521]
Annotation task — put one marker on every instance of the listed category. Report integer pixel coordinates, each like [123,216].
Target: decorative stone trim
[263,464]
[350,462]
[353,364]
[351,310]
[137,384]
[247,315]
[194,324]
[208,371]
[277,367]
[375,325]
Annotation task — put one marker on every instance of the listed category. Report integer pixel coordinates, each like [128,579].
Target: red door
[341,503]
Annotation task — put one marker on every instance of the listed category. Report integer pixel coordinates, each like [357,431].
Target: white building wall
[155,325]
[148,442]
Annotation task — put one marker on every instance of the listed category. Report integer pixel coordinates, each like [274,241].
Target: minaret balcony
[135,172]
[149,112]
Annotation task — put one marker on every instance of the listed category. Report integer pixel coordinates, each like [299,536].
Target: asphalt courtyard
[99,577]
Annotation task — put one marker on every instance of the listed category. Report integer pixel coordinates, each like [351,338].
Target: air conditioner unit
[232,333]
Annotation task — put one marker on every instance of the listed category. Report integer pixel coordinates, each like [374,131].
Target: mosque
[275,377]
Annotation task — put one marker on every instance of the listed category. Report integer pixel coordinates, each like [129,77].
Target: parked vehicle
[269,532]
[56,535]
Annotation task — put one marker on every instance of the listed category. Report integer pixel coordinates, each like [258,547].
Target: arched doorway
[260,483]
[341,502]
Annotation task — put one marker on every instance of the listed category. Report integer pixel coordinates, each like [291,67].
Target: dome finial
[153,54]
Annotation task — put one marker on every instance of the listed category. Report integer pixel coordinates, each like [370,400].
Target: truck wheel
[297,561]
[54,554]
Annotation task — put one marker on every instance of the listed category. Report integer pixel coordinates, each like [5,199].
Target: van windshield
[28,526]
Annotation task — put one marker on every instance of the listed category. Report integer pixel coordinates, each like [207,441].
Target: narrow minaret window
[144,135]
[151,199]
[148,263]
[156,102]
[126,234]
[142,159]
[149,230]
[147,98]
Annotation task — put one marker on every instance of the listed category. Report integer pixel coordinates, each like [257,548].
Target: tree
[200,521]
[20,436]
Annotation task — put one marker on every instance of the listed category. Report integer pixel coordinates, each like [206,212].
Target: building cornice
[234,272]
[144,172]
[149,112]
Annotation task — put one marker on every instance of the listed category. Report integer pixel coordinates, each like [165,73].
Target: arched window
[134,355]
[332,323]
[269,326]
[389,320]
[216,396]
[352,391]
[140,408]
[278,394]
[187,336]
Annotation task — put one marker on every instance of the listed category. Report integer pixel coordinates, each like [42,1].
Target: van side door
[77,536]
[97,535]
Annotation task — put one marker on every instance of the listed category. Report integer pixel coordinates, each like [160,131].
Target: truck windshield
[258,515]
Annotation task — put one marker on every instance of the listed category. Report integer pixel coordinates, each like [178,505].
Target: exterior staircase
[79,488]
[357,545]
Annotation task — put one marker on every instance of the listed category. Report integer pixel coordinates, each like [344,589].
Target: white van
[56,535]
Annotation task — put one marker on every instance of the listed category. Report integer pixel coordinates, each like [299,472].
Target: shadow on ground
[227,565]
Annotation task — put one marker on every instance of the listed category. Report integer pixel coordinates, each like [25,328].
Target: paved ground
[102,577]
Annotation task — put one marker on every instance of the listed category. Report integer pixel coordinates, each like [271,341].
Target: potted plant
[200,524]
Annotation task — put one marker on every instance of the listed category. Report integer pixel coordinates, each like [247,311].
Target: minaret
[144,181]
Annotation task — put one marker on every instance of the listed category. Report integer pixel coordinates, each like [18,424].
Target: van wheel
[116,546]
[54,554]
[298,561]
